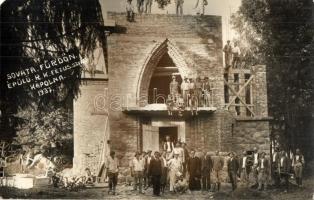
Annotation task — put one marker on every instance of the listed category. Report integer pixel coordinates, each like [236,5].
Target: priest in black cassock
[194,169]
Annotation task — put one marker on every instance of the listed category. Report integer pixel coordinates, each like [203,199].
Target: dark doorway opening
[172,132]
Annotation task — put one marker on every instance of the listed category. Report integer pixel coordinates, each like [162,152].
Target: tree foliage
[280,34]
[33,31]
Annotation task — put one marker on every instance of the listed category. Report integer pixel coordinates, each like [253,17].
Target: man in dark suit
[194,169]
[233,166]
[284,164]
[155,171]
[207,166]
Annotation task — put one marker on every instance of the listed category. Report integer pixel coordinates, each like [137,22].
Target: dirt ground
[124,192]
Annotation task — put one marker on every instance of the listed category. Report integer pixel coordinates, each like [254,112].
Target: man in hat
[155,172]
[228,54]
[233,166]
[174,86]
[218,163]
[263,171]
[137,170]
[194,169]
[175,167]
[298,164]
[112,165]
[185,90]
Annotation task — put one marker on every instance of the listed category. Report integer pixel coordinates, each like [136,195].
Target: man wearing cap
[174,86]
[298,164]
[137,170]
[175,167]
[218,163]
[233,166]
[194,169]
[185,91]
[263,171]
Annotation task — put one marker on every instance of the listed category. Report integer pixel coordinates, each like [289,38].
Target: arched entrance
[163,62]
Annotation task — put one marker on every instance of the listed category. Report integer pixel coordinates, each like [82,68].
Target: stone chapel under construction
[121,111]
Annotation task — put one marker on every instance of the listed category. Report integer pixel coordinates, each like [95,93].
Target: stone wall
[251,133]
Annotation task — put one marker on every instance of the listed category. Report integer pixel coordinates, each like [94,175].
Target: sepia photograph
[157,99]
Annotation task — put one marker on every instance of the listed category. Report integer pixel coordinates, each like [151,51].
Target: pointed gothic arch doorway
[163,62]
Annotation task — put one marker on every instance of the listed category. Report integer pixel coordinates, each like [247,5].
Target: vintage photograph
[157,99]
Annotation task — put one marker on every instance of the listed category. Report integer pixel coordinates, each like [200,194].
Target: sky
[222,8]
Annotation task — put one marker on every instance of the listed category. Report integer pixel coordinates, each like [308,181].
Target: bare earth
[124,192]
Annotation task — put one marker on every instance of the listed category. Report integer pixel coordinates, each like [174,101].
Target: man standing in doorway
[168,147]
[112,165]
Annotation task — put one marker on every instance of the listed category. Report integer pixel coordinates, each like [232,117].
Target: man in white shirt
[185,87]
[137,170]
[112,165]
[263,172]
[254,167]
[236,56]
[168,146]
[244,168]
